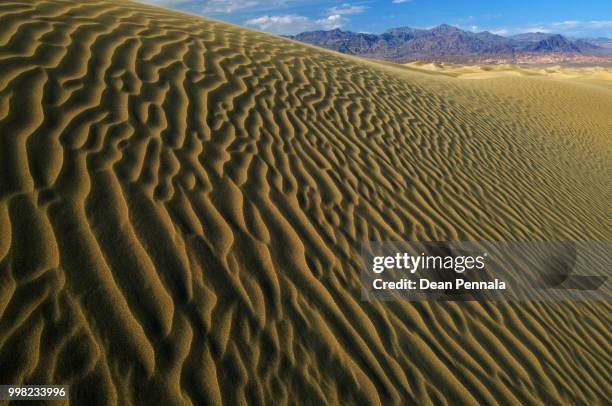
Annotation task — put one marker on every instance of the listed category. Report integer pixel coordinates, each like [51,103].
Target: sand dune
[595,75]
[182,204]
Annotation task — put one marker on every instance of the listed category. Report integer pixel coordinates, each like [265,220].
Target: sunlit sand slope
[596,74]
[182,204]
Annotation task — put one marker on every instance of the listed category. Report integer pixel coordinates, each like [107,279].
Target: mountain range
[449,43]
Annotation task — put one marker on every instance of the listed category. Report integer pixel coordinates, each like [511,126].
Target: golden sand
[182,204]
[595,74]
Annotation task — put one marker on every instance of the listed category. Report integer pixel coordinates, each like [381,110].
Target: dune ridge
[182,203]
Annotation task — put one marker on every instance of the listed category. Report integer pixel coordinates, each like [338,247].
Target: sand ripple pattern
[182,204]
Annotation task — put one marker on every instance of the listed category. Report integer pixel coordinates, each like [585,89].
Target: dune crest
[182,204]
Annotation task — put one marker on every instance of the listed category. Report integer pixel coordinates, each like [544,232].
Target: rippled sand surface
[182,204]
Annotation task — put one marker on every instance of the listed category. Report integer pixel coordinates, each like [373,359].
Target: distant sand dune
[182,204]
[601,75]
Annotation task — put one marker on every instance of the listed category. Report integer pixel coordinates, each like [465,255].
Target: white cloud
[331,22]
[345,9]
[566,24]
[218,6]
[500,31]
[165,3]
[294,24]
[401,1]
[522,30]
[600,24]
[229,6]
[536,29]
[289,24]
[568,27]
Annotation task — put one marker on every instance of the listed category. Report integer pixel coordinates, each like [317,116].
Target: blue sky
[587,18]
